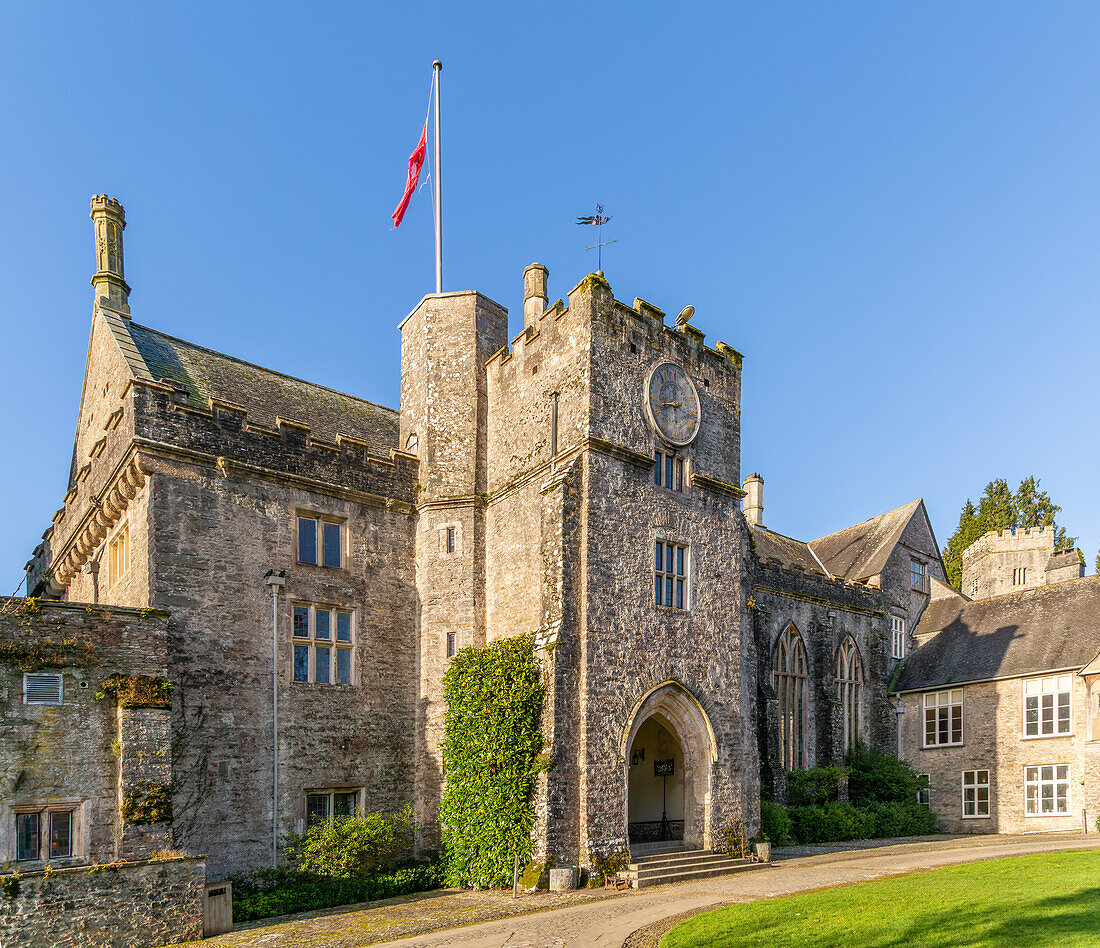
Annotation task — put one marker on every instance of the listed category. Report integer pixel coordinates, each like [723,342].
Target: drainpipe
[276,582]
[899,710]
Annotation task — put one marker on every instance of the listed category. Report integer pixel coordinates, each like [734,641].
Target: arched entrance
[655,784]
[668,723]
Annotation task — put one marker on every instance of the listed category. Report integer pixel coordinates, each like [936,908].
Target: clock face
[673,403]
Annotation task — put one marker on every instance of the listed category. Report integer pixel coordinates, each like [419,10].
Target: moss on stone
[147,803]
[65,652]
[137,691]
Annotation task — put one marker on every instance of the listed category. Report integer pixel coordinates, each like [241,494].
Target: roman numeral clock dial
[672,403]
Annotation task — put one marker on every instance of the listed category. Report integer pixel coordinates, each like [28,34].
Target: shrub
[901,819]
[352,847]
[831,823]
[775,824]
[491,755]
[814,786]
[879,778]
[268,892]
[606,864]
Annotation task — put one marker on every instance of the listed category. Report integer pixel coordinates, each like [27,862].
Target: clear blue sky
[892,209]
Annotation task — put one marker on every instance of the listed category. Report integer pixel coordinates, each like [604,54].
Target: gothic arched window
[849,690]
[789,679]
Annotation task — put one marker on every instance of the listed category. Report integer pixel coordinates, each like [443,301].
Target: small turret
[110,288]
[754,500]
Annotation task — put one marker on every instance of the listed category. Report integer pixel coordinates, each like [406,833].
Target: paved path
[606,923]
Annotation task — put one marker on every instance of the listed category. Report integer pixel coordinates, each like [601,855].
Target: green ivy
[147,803]
[136,691]
[491,756]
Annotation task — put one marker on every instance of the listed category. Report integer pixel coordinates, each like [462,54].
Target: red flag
[416,162]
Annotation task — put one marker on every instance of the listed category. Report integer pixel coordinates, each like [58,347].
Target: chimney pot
[534,294]
[110,289]
[754,500]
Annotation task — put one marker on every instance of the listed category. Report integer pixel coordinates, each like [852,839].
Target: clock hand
[670,404]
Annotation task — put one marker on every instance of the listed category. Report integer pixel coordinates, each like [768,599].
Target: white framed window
[897,637]
[924,789]
[118,555]
[975,794]
[670,582]
[918,576]
[45,834]
[943,718]
[43,688]
[323,644]
[1019,576]
[1047,706]
[320,540]
[324,805]
[670,471]
[1046,790]
[849,690]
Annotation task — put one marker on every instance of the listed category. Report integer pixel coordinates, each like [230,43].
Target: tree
[1098,564]
[1002,509]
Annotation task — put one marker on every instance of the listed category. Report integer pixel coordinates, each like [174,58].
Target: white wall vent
[41,688]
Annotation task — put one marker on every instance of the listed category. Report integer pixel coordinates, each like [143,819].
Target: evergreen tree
[1002,509]
[1098,564]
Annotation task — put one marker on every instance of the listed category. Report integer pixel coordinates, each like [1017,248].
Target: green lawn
[1029,900]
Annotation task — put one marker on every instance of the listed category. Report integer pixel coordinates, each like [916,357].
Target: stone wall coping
[106,867]
[102,609]
[452,294]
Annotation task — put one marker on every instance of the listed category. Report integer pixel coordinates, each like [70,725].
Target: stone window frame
[321,517]
[849,691]
[671,471]
[330,794]
[45,812]
[1019,576]
[1092,709]
[1055,781]
[117,551]
[918,575]
[450,645]
[976,786]
[312,642]
[680,593]
[450,544]
[949,704]
[897,636]
[1041,679]
[790,679]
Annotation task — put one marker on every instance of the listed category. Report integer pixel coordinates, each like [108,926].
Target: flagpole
[437,66]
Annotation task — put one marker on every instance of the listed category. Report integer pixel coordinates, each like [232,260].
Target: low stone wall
[125,905]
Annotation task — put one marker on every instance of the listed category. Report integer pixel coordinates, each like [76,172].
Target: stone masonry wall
[131,905]
[993,740]
[72,756]
[215,536]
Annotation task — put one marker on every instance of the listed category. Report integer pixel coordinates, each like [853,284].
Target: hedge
[269,892]
[491,755]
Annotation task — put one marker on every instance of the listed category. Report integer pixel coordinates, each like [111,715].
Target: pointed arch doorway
[670,801]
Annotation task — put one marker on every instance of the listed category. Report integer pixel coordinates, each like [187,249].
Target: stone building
[1000,709]
[1010,560]
[579,481]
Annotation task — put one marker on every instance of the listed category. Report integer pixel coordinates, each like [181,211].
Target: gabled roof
[263,393]
[860,552]
[771,546]
[1020,633]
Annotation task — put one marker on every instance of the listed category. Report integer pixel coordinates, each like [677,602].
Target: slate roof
[788,552]
[861,551]
[1020,633]
[263,393]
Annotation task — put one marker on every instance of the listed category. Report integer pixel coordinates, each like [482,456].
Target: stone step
[674,858]
[712,862]
[643,880]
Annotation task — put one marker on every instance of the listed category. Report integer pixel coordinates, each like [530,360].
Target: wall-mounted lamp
[637,757]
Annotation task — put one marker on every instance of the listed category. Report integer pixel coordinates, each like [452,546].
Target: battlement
[782,580]
[592,298]
[1000,541]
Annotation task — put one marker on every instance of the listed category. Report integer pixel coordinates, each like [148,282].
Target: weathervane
[599,219]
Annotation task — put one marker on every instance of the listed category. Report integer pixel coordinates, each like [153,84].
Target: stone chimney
[110,288]
[754,500]
[534,294]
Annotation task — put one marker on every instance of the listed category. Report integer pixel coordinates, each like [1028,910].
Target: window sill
[320,566]
[1040,816]
[980,816]
[933,747]
[1044,737]
[671,610]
